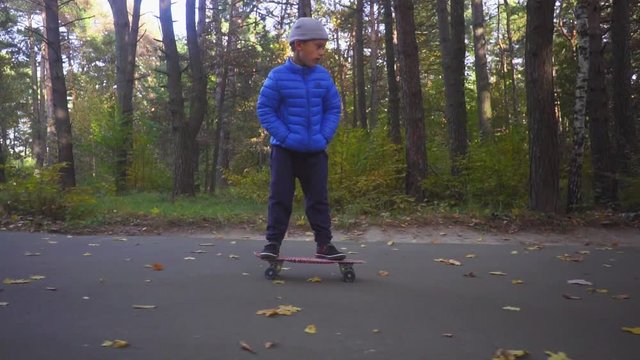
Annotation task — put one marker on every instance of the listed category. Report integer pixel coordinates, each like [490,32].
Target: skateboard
[275,265]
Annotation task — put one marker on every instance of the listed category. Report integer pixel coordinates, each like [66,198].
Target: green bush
[39,193]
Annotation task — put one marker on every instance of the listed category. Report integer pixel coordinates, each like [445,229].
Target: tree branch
[80,19]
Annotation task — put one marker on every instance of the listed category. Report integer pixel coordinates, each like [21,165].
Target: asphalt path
[403,304]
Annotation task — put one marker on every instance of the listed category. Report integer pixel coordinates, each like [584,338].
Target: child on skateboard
[299,106]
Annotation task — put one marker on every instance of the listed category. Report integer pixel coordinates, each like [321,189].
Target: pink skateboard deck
[275,265]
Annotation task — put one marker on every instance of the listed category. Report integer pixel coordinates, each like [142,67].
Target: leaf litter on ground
[286,310]
[502,354]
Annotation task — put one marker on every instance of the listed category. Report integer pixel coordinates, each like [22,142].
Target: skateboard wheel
[349,276]
[270,273]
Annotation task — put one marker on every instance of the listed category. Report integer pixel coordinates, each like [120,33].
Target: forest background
[111,111]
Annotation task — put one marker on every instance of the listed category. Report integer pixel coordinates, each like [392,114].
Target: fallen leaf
[16,281]
[94,245]
[470,275]
[584,252]
[511,308]
[199,252]
[144,307]
[310,329]
[278,282]
[383,273]
[498,273]
[633,330]
[352,253]
[87,254]
[286,310]
[51,289]
[597,291]
[245,274]
[448,261]
[573,258]
[234,257]
[470,256]
[509,354]
[514,252]
[517,282]
[246,347]
[157,267]
[534,248]
[579,282]
[270,344]
[314,279]
[116,344]
[28,253]
[4,304]
[449,335]
[571,297]
[375,331]
[621,297]
[206,244]
[391,242]
[189,258]
[556,356]
[37,277]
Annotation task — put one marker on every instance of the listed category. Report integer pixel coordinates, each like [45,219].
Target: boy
[299,106]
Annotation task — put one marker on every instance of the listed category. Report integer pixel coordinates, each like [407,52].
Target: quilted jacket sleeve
[267,110]
[332,107]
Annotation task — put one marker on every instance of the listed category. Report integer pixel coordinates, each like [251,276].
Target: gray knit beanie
[307,29]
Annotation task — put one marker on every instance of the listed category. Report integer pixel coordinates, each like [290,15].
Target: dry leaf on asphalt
[280,310]
[144,307]
[16,281]
[87,254]
[246,347]
[573,258]
[270,344]
[517,282]
[376,331]
[383,273]
[448,335]
[509,354]
[234,257]
[4,304]
[571,297]
[189,258]
[621,297]
[310,329]
[278,282]
[391,243]
[199,252]
[314,279]
[206,244]
[470,275]
[116,344]
[37,277]
[28,253]
[498,273]
[579,282]
[511,308]
[470,256]
[448,261]
[556,356]
[157,267]
[51,288]
[633,330]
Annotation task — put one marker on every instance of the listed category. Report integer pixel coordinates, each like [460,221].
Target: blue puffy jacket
[300,107]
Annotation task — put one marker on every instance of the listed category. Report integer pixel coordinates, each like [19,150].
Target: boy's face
[310,52]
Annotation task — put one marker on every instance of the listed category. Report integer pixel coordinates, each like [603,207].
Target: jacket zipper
[308,112]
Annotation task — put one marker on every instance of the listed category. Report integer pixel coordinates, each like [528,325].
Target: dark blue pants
[312,170]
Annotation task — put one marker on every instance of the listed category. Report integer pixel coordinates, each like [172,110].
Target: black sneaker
[270,251]
[329,252]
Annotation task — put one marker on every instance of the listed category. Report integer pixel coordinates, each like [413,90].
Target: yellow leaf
[498,273]
[16,281]
[517,282]
[267,312]
[556,356]
[86,254]
[448,261]
[314,279]
[511,308]
[470,256]
[37,277]
[633,330]
[107,343]
[310,329]
[119,344]
[509,354]
[278,282]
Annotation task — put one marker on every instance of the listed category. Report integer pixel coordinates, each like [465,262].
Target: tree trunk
[503,71]
[43,110]
[413,111]
[393,110]
[304,8]
[512,69]
[626,138]
[544,159]
[604,180]
[574,197]
[126,35]
[483,87]
[59,88]
[37,145]
[361,103]
[183,165]
[453,52]
[3,152]
[52,137]
[373,63]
